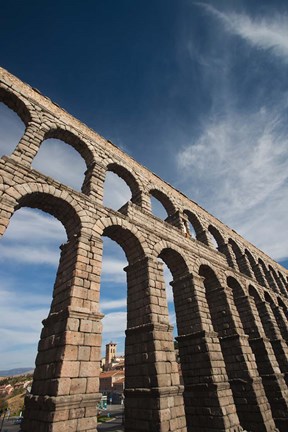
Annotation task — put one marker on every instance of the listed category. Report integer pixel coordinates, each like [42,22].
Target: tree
[3,404]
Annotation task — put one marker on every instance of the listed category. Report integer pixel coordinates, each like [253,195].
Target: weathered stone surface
[231,302]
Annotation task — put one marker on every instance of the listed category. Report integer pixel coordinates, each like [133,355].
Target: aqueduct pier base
[231,302]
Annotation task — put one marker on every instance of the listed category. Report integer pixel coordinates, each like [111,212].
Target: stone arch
[240,257]
[126,235]
[50,200]
[163,244]
[216,235]
[235,247]
[254,293]
[237,289]
[278,283]
[164,200]
[174,261]
[255,268]
[282,278]
[71,138]
[14,102]
[57,207]
[268,277]
[208,274]
[130,179]
[268,298]
[195,222]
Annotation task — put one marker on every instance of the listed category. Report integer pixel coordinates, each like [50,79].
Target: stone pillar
[139,198]
[29,144]
[203,237]
[65,388]
[153,395]
[6,211]
[145,201]
[208,398]
[268,368]
[94,182]
[175,220]
[251,403]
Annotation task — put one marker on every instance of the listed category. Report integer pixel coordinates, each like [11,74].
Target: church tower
[110,354]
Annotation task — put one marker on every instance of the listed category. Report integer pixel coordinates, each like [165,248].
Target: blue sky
[196,92]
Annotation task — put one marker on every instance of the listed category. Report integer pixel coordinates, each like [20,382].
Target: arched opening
[278,284]
[255,268]
[113,304]
[161,205]
[60,161]
[116,191]
[175,269]
[284,282]
[126,189]
[282,304]
[195,227]
[180,306]
[30,254]
[136,306]
[245,309]
[240,258]
[12,128]
[268,277]
[215,237]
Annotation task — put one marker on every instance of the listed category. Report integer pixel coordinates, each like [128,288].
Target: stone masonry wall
[231,301]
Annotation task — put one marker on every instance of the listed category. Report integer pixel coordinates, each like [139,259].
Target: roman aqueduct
[231,302]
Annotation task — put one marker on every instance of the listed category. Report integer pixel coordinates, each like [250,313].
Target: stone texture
[231,300]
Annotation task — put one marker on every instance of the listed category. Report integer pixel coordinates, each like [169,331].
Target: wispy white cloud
[116,191]
[241,162]
[27,224]
[26,240]
[107,304]
[29,254]
[114,324]
[61,162]
[21,322]
[236,162]
[267,33]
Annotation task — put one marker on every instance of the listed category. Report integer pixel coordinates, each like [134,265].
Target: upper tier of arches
[101,157]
